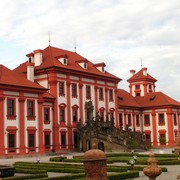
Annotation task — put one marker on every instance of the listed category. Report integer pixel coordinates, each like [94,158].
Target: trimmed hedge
[116,169]
[173,162]
[32,176]
[67,177]
[58,159]
[140,168]
[124,175]
[24,170]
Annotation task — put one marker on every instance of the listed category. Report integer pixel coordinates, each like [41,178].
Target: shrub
[32,176]
[68,177]
[124,175]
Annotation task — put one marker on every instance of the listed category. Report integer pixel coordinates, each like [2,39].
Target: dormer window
[62,59]
[30,57]
[83,63]
[100,67]
[103,69]
[65,61]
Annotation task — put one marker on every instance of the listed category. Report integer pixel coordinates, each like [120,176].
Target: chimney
[144,71]
[30,69]
[132,72]
[38,57]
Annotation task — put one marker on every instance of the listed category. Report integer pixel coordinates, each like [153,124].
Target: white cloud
[119,32]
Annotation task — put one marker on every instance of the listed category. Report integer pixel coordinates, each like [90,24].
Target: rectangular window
[30,108]
[110,95]
[137,86]
[175,119]
[74,115]
[148,138]
[46,114]
[102,115]
[112,115]
[61,88]
[11,142]
[31,142]
[129,119]
[120,120]
[146,120]
[162,139]
[161,119]
[47,141]
[88,92]
[62,115]
[137,120]
[101,94]
[63,140]
[11,107]
[74,90]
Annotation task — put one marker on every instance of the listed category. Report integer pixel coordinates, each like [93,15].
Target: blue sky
[120,33]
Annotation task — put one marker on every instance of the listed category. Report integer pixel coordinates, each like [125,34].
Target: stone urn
[95,164]
[152,170]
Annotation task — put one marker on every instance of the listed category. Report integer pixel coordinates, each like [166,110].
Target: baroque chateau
[43,100]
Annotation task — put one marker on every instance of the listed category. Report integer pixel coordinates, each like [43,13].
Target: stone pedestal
[152,170]
[95,165]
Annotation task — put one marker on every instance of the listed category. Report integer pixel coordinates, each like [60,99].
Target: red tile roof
[126,99]
[156,99]
[11,78]
[139,76]
[151,100]
[48,95]
[50,59]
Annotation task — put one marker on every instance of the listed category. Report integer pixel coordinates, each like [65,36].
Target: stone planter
[95,165]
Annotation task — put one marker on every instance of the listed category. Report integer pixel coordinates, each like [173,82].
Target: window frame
[12,148]
[137,120]
[137,86]
[120,119]
[46,115]
[111,95]
[147,120]
[88,92]
[63,140]
[61,88]
[161,119]
[62,114]
[74,118]
[175,119]
[31,109]
[101,94]
[74,90]
[11,108]
[160,137]
[47,145]
[129,119]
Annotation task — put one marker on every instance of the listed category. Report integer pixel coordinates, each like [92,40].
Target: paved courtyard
[173,170]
